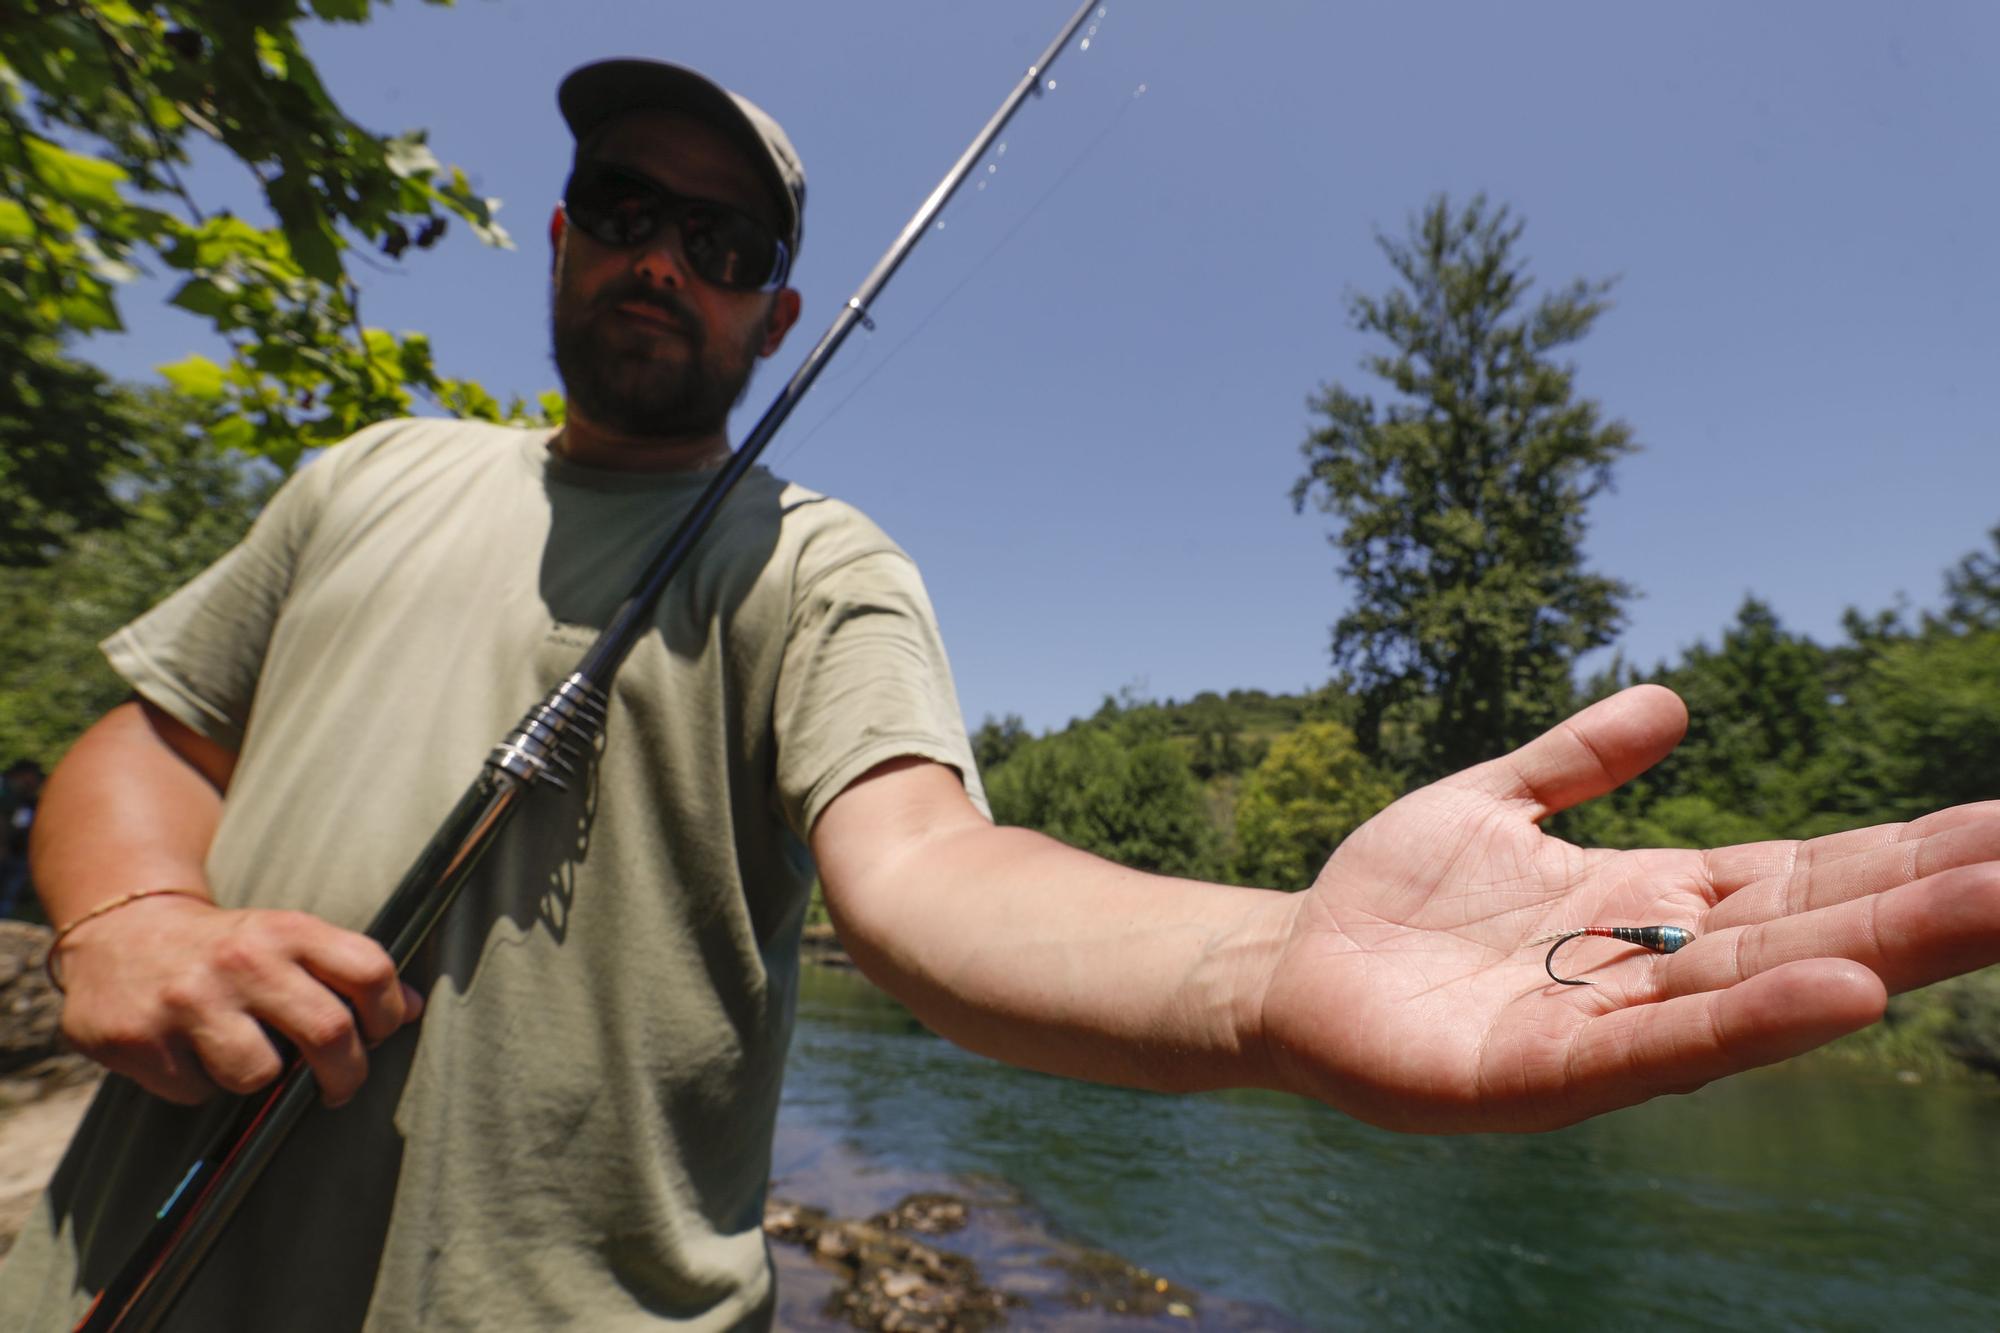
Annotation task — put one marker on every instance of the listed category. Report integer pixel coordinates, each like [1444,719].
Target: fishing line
[1061,179]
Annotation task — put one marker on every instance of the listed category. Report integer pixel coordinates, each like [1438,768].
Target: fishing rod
[553,739]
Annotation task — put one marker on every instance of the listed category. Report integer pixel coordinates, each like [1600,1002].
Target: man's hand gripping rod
[559,732]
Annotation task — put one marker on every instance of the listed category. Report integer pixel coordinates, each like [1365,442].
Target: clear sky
[1082,409]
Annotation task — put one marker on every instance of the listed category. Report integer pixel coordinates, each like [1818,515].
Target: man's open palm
[1410,994]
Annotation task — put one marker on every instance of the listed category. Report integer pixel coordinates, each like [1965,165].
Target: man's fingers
[1677,1045]
[361,972]
[1731,869]
[1608,743]
[170,1071]
[1817,881]
[327,991]
[325,1033]
[1909,935]
[235,1053]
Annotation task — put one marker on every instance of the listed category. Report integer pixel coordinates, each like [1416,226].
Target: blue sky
[1082,408]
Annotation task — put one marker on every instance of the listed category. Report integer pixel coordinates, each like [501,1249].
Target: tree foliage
[994,742]
[1972,590]
[63,428]
[1313,789]
[102,105]
[187,502]
[1125,795]
[1788,738]
[1923,725]
[1461,499]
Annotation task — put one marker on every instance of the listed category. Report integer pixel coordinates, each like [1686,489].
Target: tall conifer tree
[1461,498]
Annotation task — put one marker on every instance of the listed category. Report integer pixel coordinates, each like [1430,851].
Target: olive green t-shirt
[577,1134]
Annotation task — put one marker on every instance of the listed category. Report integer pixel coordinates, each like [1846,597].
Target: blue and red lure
[1657,939]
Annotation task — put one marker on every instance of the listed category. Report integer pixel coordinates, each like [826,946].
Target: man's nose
[661,262]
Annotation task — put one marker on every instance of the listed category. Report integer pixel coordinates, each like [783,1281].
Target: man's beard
[617,379]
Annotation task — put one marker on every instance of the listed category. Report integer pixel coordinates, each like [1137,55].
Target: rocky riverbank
[901,1271]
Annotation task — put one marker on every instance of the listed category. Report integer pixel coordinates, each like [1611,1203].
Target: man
[577,1132]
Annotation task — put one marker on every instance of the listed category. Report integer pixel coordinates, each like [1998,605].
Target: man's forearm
[1019,947]
[125,810]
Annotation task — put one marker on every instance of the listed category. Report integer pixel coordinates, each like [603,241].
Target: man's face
[643,345]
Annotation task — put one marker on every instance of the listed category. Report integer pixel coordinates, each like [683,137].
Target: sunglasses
[723,245]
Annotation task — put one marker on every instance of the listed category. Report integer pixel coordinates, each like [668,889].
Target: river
[1805,1196]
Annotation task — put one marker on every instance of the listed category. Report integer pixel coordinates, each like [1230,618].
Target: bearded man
[577,1133]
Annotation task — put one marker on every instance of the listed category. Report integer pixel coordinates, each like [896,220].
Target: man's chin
[667,422]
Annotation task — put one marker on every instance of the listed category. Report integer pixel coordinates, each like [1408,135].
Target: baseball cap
[592,94]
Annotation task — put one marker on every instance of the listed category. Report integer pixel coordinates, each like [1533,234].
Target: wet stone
[889,1280]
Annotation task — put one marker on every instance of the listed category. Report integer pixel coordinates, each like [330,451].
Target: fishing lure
[1658,939]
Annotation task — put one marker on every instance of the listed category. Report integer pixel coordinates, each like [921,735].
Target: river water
[1798,1197]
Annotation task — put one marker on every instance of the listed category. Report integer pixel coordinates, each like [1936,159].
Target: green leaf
[409,155]
[90,308]
[313,243]
[195,377]
[102,264]
[15,224]
[274,54]
[341,11]
[213,299]
[234,434]
[87,180]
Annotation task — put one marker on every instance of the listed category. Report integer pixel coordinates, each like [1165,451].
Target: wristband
[49,958]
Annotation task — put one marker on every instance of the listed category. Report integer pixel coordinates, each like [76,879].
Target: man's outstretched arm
[1019,947]
[170,990]
[1401,987]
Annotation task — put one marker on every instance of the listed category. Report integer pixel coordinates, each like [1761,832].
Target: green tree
[63,428]
[1313,789]
[100,104]
[995,741]
[1129,799]
[1216,731]
[1461,500]
[1972,589]
[1757,759]
[1759,720]
[187,501]
[1920,727]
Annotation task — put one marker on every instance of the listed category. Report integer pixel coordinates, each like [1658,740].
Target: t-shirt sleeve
[198,654]
[864,679]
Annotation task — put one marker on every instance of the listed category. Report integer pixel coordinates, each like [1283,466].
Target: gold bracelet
[49,958]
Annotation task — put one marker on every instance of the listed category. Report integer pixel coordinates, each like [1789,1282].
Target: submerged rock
[890,1280]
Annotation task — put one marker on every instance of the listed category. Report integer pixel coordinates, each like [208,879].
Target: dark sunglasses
[723,245]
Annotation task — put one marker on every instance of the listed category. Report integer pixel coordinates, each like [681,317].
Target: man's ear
[558,228]
[784,314]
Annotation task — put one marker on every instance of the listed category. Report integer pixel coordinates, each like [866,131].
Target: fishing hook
[1657,939]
